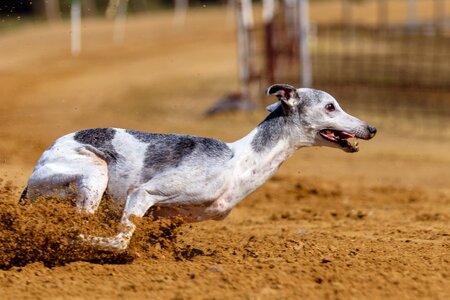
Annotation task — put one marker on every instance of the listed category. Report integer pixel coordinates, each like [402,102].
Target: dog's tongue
[345,135]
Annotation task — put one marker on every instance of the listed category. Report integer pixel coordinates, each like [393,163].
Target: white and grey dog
[191,177]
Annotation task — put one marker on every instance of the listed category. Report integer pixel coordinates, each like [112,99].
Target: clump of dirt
[48,231]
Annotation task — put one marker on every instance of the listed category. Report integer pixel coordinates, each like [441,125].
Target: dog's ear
[285,93]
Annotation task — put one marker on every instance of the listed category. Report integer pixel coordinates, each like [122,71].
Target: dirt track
[329,225]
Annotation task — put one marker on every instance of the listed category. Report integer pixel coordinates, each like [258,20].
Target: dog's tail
[23,198]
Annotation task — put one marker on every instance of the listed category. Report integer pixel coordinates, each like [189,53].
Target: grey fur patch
[271,130]
[213,148]
[142,136]
[311,96]
[169,150]
[100,139]
[166,153]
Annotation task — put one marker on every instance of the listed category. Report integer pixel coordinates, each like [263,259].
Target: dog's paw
[118,243]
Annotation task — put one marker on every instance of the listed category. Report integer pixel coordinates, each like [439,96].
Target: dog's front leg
[138,202]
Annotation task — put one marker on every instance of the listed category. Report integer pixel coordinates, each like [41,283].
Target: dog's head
[318,119]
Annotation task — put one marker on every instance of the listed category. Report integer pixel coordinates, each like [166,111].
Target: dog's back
[131,158]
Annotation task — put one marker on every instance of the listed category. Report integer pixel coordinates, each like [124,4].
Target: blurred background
[201,67]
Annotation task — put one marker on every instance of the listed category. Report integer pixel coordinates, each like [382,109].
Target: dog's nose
[372,131]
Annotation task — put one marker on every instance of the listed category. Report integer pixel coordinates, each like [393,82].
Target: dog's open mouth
[340,138]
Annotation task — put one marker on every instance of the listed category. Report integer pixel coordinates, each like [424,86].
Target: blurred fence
[397,69]
[401,71]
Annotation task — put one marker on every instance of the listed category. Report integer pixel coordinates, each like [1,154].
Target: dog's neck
[259,154]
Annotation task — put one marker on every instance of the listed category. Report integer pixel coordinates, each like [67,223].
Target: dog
[194,178]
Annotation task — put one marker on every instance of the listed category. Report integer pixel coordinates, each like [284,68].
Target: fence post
[244,23]
[270,58]
[119,22]
[181,7]
[75,23]
[305,57]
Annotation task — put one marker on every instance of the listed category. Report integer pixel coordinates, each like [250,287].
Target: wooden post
[75,23]
[244,23]
[270,55]
[247,13]
[305,57]
[181,7]
[268,10]
[119,22]
[290,11]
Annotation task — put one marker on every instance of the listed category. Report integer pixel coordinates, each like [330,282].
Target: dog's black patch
[100,139]
[142,136]
[97,137]
[213,148]
[169,150]
[271,130]
[165,153]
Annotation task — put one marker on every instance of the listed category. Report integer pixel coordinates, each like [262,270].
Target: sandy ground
[329,225]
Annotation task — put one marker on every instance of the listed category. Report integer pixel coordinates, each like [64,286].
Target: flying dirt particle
[216,269]
[301,231]
[356,214]
[325,261]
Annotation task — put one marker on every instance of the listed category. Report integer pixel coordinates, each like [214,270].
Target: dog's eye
[329,107]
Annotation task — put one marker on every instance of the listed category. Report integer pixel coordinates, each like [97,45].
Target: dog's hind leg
[91,188]
[84,181]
